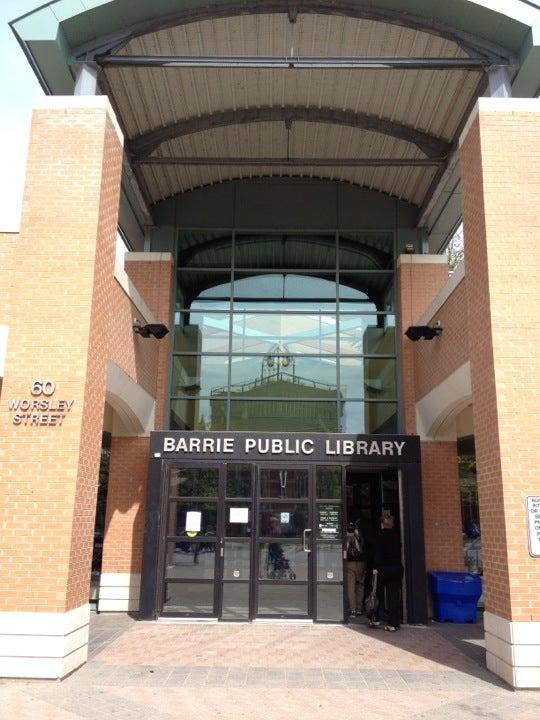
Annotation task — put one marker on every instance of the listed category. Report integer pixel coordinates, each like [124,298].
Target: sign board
[533,524]
[306,447]
[239,515]
[329,521]
[42,409]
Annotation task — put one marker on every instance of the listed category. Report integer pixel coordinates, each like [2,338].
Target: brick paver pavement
[161,671]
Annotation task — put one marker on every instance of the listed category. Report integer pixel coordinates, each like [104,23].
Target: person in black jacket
[389,571]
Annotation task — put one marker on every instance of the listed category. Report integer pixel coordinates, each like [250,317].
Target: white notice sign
[193,521]
[533,522]
[239,515]
[285,518]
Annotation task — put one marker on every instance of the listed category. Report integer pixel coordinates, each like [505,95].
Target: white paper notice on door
[239,515]
[193,521]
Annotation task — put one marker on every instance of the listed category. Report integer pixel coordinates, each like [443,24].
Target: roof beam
[299,63]
[431,145]
[472,45]
[290,162]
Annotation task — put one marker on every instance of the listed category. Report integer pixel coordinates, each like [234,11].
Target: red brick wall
[418,285]
[155,281]
[48,475]
[124,519]
[434,361]
[500,161]
[442,509]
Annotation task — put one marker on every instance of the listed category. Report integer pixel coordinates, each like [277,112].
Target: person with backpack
[356,569]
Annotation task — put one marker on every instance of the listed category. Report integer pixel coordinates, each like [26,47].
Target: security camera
[419,332]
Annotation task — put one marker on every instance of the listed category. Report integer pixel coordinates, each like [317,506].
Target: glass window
[194,482]
[193,519]
[283,520]
[283,334]
[200,414]
[284,376]
[282,600]
[366,251]
[270,250]
[367,334]
[367,377]
[236,559]
[283,483]
[235,604]
[190,561]
[330,603]
[198,332]
[200,374]
[283,416]
[329,482]
[185,597]
[282,561]
[366,292]
[205,249]
[239,479]
[329,562]
[359,417]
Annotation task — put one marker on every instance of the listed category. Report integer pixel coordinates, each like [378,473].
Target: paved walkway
[159,671]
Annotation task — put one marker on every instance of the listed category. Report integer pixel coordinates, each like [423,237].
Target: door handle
[306,548]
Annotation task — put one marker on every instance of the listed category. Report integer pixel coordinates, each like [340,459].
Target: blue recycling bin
[455,596]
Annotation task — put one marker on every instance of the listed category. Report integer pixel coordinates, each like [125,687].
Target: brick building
[274,183]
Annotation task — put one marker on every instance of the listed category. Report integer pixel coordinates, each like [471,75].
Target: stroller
[277,565]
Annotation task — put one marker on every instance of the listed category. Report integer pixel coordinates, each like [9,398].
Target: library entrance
[242,527]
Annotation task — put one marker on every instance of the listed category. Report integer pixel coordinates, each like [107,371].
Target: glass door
[284,543]
[190,542]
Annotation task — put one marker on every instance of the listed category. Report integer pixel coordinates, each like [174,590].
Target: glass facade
[284,332]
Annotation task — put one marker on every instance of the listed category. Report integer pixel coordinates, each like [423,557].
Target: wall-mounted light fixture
[156,330]
[423,332]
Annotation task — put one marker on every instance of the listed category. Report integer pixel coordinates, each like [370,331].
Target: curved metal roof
[188,123]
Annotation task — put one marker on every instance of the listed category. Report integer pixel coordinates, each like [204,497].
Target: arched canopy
[373,94]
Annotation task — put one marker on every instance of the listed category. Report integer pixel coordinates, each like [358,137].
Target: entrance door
[284,542]
[241,541]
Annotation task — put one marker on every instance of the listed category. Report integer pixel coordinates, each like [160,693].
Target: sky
[18,88]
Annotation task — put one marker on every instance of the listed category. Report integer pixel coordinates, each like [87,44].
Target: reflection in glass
[199,414]
[284,416]
[236,560]
[285,520]
[368,377]
[200,374]
[285,286]
[367,334]
[365,292]
[283,600]
[197,598]
[330,603]
[329,482]
[190,561]
[359,417]
[238,519]
[204,517]
[194,482]
[239,480]
[329,562]
[197,332]
[253,333]
[235,601]
[283,483]
[278,374]
[282,561]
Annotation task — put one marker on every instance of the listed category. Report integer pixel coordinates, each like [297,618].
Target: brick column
[500,160]
[420,279]
[59,307]
[152,275]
